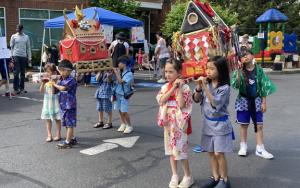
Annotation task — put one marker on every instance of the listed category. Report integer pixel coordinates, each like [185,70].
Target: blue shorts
[243,117]
[121,103]
[104,105]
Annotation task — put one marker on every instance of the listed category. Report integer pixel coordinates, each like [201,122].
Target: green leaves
[243,13]
[126,7]
[174,19]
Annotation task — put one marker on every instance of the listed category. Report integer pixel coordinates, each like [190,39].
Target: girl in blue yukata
[103,96]
[122,89]
[50,111]
[67,86]
[213,93]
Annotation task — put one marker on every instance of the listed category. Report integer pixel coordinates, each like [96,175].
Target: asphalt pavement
[26,160]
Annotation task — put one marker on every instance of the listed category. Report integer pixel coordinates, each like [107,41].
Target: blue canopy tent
[104,16]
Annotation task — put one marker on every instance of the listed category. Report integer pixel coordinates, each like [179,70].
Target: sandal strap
[99,124]
[107,126]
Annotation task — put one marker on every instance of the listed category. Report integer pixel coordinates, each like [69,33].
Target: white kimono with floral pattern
[175,123]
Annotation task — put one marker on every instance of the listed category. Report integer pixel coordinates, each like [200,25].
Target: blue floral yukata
[104,93]
[67,102]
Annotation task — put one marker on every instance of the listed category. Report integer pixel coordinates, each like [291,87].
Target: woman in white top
[162,52]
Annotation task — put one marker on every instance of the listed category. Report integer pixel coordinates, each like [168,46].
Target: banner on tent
[4,52]
[107,31]
[137,35]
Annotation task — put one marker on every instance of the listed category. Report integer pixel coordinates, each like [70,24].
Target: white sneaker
[161,81]
[174,182]
[243,150]
[122,127]
[128,129]
[264,154]
[186,182]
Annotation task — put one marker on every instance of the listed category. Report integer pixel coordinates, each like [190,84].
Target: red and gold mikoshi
[83,49]
[84,44]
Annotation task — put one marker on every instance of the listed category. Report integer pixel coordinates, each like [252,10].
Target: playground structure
[272,39]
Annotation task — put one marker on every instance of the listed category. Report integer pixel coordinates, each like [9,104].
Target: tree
[175,17]
[244,13]
[126,7]
[249,11]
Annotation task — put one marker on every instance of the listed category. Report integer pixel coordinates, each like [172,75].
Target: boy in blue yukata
[123,79]
[67,86]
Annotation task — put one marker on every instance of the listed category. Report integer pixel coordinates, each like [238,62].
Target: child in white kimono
[175,107]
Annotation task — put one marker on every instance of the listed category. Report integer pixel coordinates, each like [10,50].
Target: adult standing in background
[21,55]
[245,43]
[162,52]
[118,48]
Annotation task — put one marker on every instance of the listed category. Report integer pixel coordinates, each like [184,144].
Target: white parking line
[99,149]
[26,98]
[127,142]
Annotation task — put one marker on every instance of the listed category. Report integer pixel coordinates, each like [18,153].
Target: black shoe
[64,145]
[99,124]
[223,184]
[211,183]
[23,91]
[73,141]
[17,92]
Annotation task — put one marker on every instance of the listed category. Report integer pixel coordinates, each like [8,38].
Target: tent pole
[41,63]
[7,77]
[149,30]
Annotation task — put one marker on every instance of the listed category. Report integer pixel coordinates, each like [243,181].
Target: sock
[67,142]
[243,145]
[260,147]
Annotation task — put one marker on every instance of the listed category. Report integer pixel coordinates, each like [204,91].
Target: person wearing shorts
[254,86]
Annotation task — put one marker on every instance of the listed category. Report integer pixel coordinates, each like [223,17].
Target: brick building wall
[12,9]
[157,17]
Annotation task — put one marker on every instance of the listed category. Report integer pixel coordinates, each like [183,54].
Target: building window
[2,22]
[57,33]
[33,22]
